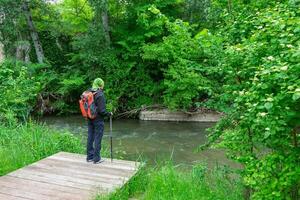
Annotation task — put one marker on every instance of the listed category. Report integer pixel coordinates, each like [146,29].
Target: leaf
[296,96]
[267,134]
[202,33]
[154,10]
[268,105]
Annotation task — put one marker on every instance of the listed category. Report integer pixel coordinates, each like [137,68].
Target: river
[154,141]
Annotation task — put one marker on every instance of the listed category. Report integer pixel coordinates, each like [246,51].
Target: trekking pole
[111,144]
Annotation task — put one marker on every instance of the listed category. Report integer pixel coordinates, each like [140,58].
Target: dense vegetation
[241,57]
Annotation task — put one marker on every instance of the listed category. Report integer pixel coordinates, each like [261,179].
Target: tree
[101,19]
[1,52]
[76,16]
[262,130]
[196,11]
[33,33]
[2,18]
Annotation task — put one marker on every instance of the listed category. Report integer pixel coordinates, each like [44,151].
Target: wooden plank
[86,172]
[101,166]
[65,176]
[80,157]
[76,175]
[85,167]
[83,157]
[9,197]
[26,191]
[106,163]
[60,179]
[23,183]
[24,194]
[52,181]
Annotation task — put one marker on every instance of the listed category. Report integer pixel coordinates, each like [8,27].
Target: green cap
[98,82]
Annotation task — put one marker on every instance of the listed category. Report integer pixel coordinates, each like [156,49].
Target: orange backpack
[87,105]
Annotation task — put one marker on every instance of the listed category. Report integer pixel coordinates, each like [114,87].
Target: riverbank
[179,116]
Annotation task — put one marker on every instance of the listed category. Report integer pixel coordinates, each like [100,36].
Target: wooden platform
[66,176]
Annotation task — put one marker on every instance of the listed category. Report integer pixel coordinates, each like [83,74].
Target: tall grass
[27,143]
[167,182]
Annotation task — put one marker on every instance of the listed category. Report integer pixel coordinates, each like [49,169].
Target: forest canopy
[175,53]
[240,57]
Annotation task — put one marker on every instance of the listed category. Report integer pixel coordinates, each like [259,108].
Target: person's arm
[101,106]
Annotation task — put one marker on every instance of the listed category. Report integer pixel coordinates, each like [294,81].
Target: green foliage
[184,85]
[262,130]
[27,143]
[239,56]
[169,182]
[76,15]
[18,89]
[27,87]
[56,48]
[10,24]
[130,82]
[187,64]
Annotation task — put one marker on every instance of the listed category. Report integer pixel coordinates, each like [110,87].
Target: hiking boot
[89,160]
[98,162]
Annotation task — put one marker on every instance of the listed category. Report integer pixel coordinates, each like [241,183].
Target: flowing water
[152,140]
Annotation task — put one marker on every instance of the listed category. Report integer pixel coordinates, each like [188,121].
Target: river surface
[154,141]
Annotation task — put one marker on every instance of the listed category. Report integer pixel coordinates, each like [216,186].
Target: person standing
[96,125]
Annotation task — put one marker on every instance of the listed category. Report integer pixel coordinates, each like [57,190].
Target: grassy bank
[167,182]
[24,144]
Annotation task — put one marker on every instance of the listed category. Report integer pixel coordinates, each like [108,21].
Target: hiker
[96,121]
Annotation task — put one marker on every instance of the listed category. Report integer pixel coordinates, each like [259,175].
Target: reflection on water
[153,140]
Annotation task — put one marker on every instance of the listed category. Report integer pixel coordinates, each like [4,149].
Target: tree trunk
[26,51]
[101,19]
[229,5]
[295,189]
[22,51]
[105,22]
[247,190]
[247,193]
[1,52]
[33,33]
[2,18]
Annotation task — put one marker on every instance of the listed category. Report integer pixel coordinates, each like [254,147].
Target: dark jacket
[100,103]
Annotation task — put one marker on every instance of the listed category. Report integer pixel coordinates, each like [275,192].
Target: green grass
[27,143]
[168,182]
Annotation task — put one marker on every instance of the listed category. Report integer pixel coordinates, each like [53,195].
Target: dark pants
[95,133]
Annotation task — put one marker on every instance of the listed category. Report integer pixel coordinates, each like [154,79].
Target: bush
[262,130]
[188,62]
[18,89]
